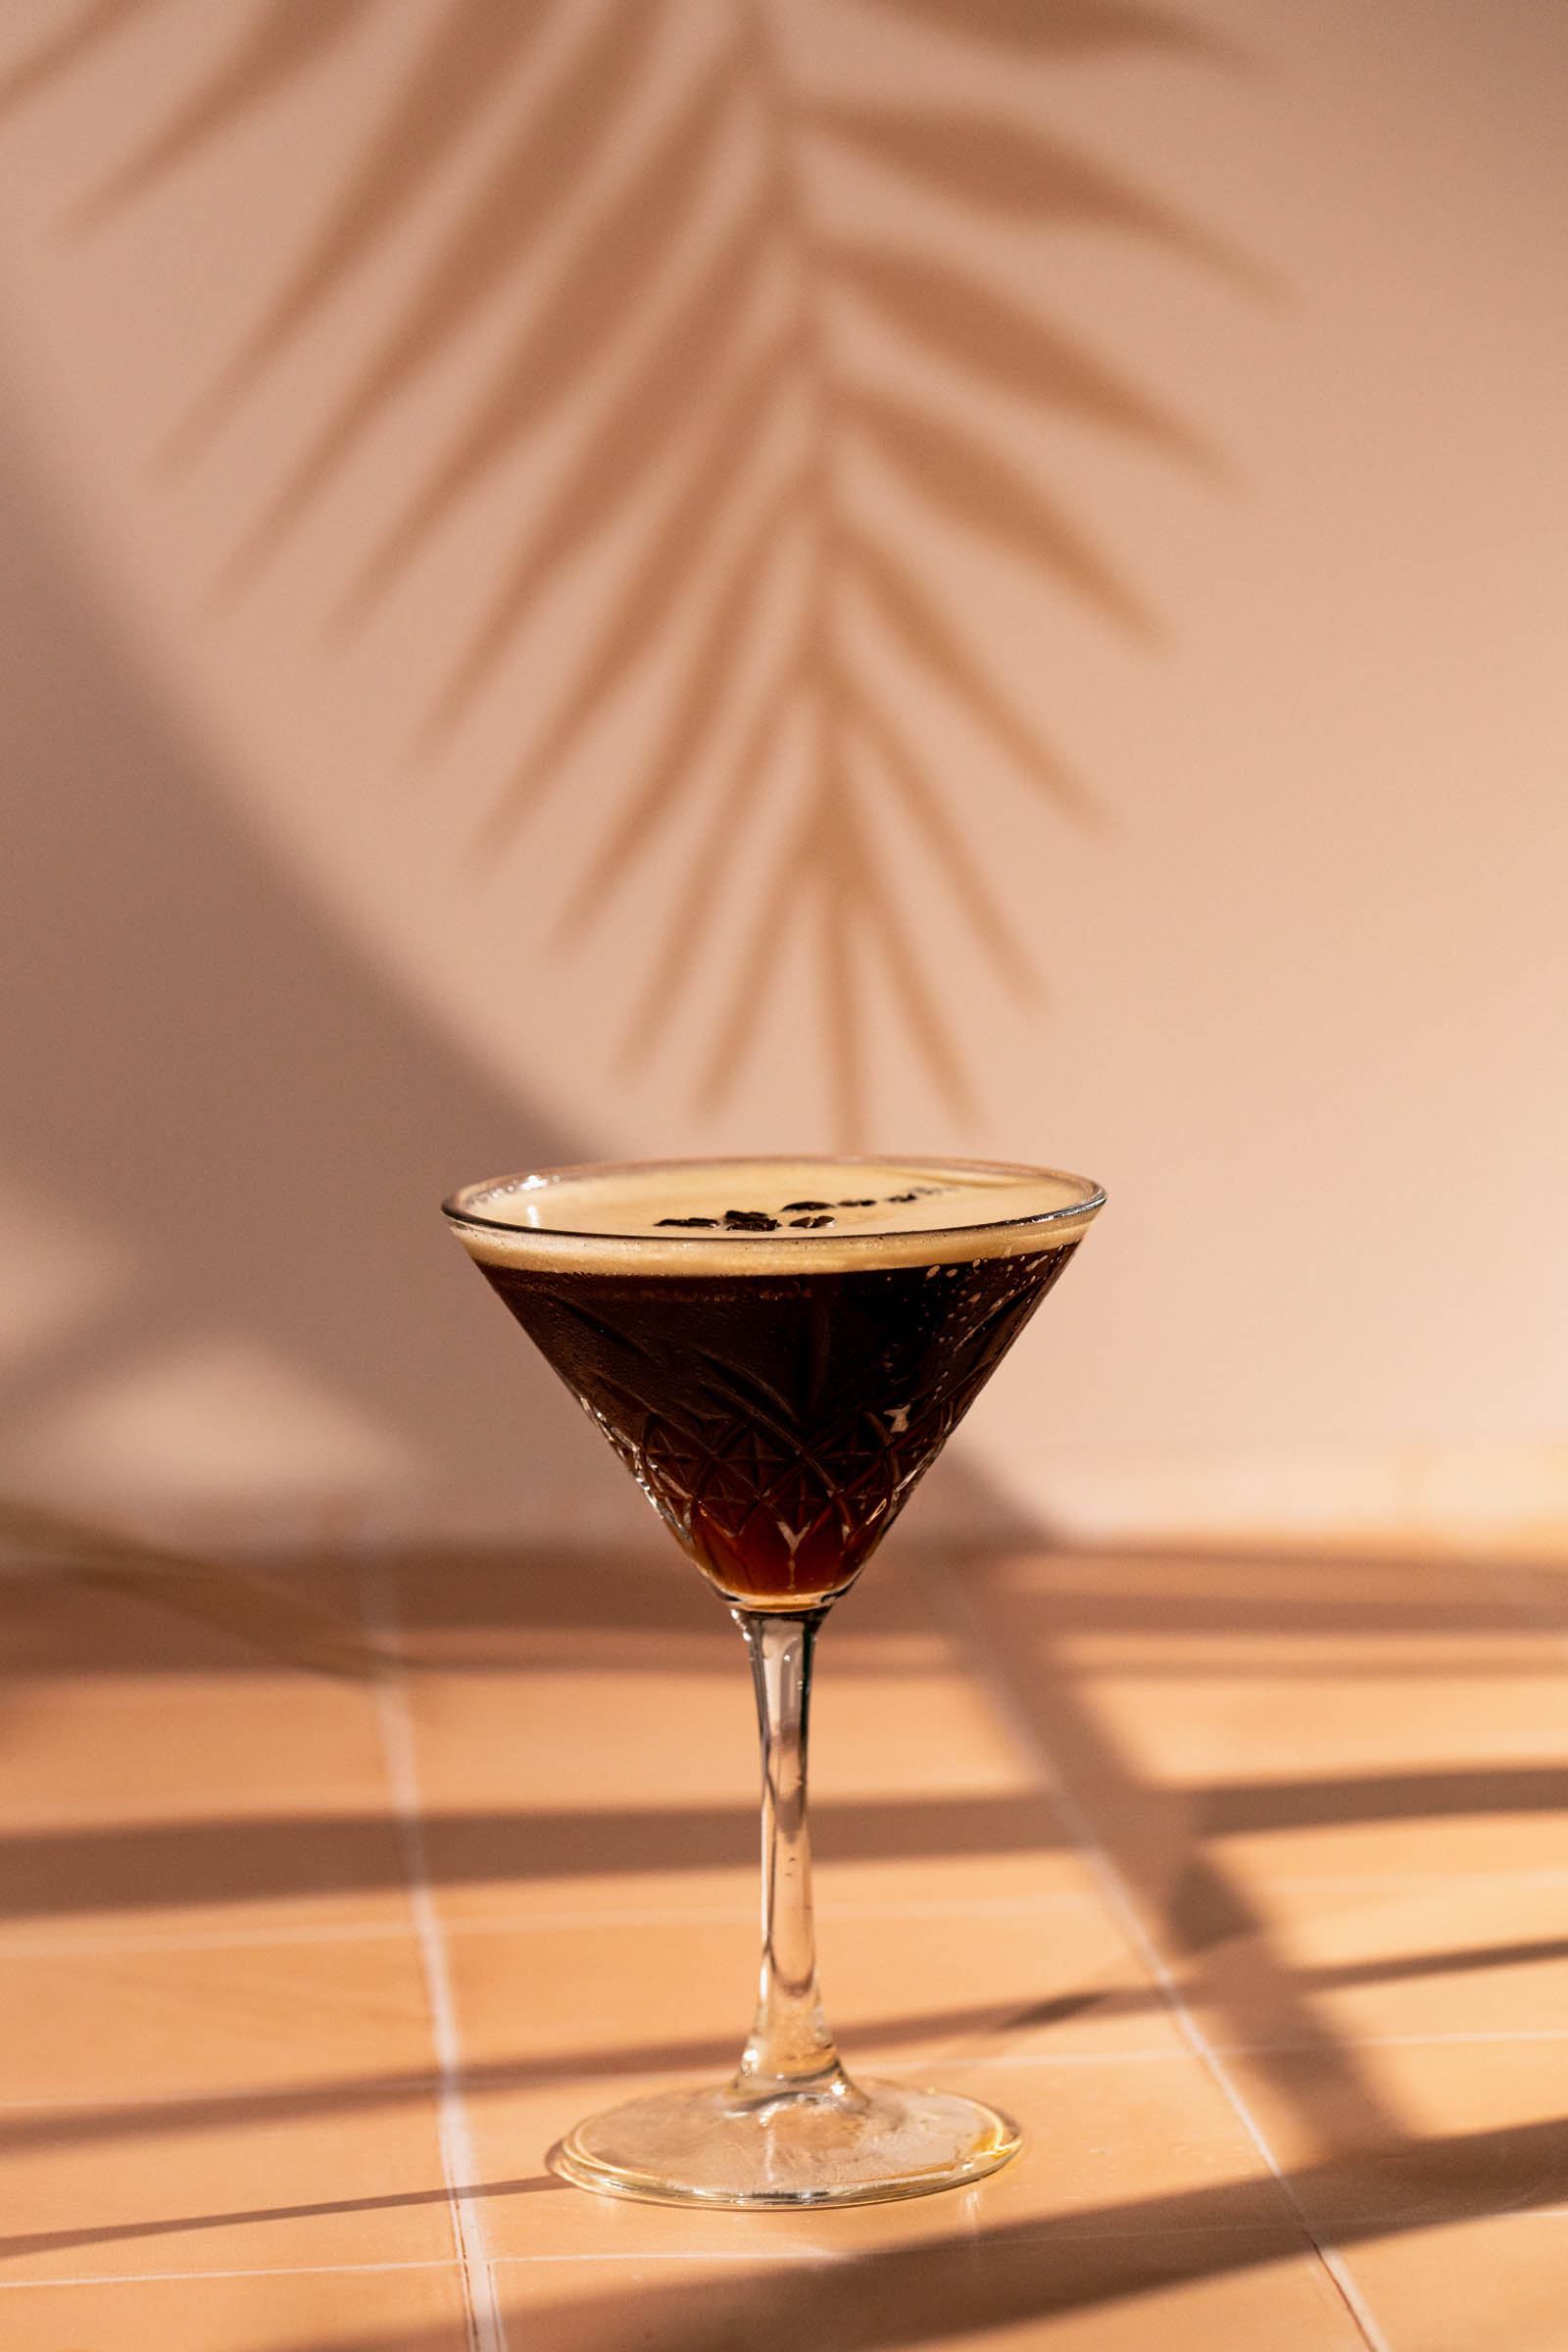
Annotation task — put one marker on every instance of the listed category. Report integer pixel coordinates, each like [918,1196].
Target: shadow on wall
[778,278]
[224,1138]
[223,1282]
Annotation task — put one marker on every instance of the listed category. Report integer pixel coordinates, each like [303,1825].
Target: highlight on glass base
[777,1350]
[853,2145]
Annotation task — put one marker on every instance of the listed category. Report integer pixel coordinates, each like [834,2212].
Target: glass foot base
[852,2146]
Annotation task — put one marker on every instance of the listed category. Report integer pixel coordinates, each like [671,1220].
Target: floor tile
[116,2025]
[1130,2148]
[584,1736]
[563,1791]
[1444,1960]
[570,1739]
[59,1623]
[1497,2283]
[979,1885]
[162,1793]
[540,1861]
[1495,1839]
[258,2182]
[1251,1738]
[971,2298]
[1472,2126]
[187,1748]
[299,1866]
[1137,2213]
[1331,1791]
[679,1996]
[414,2310]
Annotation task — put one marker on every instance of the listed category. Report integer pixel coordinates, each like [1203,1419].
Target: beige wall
[1302,988]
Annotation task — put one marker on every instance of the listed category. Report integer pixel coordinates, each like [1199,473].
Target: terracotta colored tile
[1033,1877]
[58,1624]
[290,1868]
[647,1675]
[679,1997]
[136,1802]
[1438,1846]
[558,1791]
[936,1733]
[1301,1735]
[1054,1986]
[1493,1655]
[1065,2296]
[1501,2282]
[1272,1729]
[326,1854]
[576,1738]
[133,2024]
[481,1899]
[1124,2153]
[288,1872]
[1222,1590]
[357,2310]
[191,1747]
[980,1887]
[1209,1669]
[1447,1960]
[248,2181]
[581,1737]
[1469,2126]
[1145,2143]
[652,1859]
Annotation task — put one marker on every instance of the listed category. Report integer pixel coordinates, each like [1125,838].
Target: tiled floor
[1242,1883]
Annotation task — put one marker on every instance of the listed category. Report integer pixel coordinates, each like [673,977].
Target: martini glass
[777,1350]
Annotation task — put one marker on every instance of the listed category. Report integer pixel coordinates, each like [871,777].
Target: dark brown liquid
[777,1422]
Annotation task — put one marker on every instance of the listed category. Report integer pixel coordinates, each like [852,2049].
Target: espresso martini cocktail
[777,1349]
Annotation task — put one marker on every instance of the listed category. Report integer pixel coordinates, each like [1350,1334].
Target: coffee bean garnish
[806,1215]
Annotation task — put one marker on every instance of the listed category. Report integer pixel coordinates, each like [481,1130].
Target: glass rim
[1089,1198]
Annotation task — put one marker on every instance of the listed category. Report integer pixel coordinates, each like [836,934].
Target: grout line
[486,2329]
[199,1939]
[891,2063]
[1004,2061]
[352,2094]
[1426,1879]
[768,2253]
[19,1945]
[304,1803]
[518,1923]
[1548,2034]
[1050,2232]
[955,1605]
[278,2270]
[1404,2041]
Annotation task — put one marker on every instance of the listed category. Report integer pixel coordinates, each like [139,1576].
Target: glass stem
[791,2047]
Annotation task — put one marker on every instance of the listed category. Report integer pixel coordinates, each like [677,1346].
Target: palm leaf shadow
[693,342]
[75,42]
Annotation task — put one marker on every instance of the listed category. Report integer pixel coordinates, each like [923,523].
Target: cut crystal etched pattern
[777,1424]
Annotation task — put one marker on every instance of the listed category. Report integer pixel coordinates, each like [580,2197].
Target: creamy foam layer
[764,1216]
